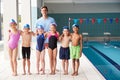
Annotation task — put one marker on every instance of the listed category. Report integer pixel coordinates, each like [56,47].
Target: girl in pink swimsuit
[14,35]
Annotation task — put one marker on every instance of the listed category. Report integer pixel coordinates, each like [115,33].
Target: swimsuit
[26,52]
[75,52]
[52,41]
[13,41]
[40,42]
[64,53]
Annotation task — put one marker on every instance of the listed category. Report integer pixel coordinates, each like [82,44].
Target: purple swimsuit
[13,41]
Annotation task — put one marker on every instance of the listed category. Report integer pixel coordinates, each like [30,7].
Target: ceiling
[81,1]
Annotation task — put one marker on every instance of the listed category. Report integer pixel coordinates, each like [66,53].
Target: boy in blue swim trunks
[75,49]
[64,53]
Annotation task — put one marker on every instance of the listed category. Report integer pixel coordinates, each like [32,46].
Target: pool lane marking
[110,60]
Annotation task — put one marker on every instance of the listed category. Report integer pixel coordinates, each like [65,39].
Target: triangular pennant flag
[116,20]
[93,20]
[99,20]
[105,20]
[75,21]
[111,20]
[81,20]
[87,20]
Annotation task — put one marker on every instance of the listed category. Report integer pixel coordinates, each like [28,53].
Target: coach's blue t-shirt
[45,22]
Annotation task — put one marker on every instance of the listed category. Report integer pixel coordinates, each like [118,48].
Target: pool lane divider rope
[107,58]
[117,45]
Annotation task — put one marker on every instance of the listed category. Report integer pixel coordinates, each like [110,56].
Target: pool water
[105,57]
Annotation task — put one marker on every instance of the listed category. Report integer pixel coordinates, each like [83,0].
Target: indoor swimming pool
[105,57]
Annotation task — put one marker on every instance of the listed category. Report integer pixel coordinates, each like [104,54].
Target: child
[26,42]
[14,35]
[64,49]
[52,47]
[75,49]
[40,53]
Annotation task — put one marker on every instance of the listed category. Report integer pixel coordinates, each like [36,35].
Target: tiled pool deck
[86,71]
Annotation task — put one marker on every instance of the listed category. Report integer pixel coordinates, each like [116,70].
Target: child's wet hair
[53,24]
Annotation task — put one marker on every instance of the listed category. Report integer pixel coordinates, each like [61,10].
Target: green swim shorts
[75,52]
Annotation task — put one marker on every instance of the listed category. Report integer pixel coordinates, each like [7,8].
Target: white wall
[35,9]
[10,8]
[25,12]
[83,8]
[0,22]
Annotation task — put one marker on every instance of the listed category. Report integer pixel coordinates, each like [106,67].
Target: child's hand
[45,34]
[80,54]
[36,32]
[32,33]
[62,35]
[9,31]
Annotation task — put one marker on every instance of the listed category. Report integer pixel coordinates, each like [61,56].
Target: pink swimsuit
[56,35]
[13,41]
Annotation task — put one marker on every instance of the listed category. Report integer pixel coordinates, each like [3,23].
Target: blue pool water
[105,57]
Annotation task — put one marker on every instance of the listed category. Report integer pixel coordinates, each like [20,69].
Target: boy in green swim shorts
[75,49]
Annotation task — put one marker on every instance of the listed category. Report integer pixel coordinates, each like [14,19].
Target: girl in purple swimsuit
[14,35]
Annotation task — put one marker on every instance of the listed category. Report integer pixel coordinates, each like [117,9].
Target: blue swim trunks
[64,53]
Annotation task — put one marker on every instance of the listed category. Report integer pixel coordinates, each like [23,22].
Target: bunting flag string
[94,20]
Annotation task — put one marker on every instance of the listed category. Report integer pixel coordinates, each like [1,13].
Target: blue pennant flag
[87,20]
[75,21]
[111,20]
[99,20]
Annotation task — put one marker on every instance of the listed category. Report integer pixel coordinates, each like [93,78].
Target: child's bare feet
[76,73]
[50,73]
[24,74]
[29,73]
[73,74]
[42,73]
[37,73]
[57,70]
[53,72]
[14,74]
[65,73]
